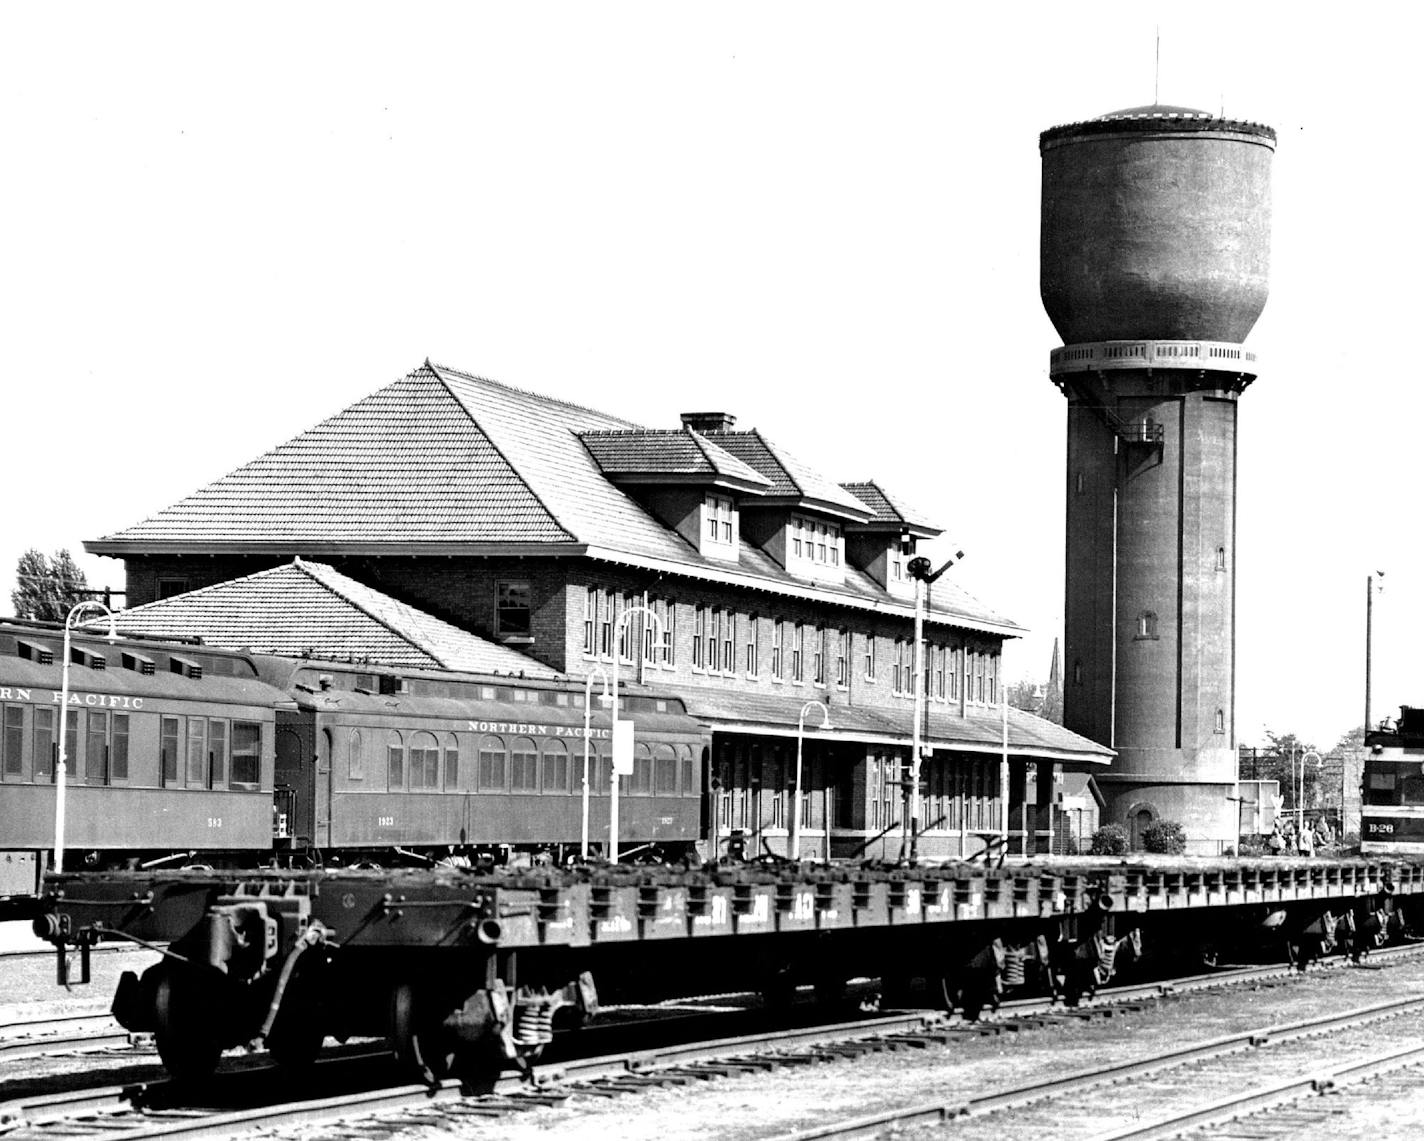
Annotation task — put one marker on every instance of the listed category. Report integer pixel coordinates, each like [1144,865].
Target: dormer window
[718,510]
[815,542]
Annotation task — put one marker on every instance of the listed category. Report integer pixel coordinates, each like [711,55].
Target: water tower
[1155,251]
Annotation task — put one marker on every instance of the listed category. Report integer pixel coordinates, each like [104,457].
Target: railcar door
[325,761]
[295,777]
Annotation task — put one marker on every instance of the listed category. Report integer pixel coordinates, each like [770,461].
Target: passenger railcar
[1392,787]
[371,763]
[169,753]
[184,753]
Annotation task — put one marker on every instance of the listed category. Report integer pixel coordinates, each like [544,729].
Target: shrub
[1109,840]
[1165,837]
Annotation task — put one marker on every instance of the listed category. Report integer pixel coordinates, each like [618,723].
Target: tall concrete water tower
[1155,251]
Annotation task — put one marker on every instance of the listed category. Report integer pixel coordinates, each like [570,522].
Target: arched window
[665,771]
[556,766]
[355,758]
[1221,558]
[492,764]
[395,762]
[1221,721]
[452,762]
[523,766]
[424,762]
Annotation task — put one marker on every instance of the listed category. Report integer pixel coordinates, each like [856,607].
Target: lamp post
[61,769]
[1300,790]
[1369,632]
[920,570]
[795,843]
[614,775]
[588,745]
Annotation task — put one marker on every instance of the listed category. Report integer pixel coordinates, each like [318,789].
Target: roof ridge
[203,589]
[767,444]
[439,371]
[441,368]
[403,636]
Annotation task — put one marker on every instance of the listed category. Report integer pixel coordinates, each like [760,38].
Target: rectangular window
[753,665]
[896,678]
[729,642]
[714,640]
[626,631]
[641,782]
[818,656]
[491,774]
[512,609]
[96,745]
[590,619]
[843,658]
[395,766]
[71,741]
[778,634]
[13,742]
[44,751]
[665,773]
[119,749]
[798,645]
[197,752]
[605,625]
[992,670]
[246,754]
[452,768]
[699,637]
[870,657]
[217,754]
[523,768]
[669,631]
[556,771]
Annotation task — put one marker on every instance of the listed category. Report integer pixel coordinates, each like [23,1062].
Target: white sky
[222,224]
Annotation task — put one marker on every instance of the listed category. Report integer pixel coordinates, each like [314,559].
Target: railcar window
[556,767]
[96,746]
[523,766]
[246,754]
[492,764]
[424,762]
[14,742]
[689,774]
[71,740]
[217,753]
[197,752]
[665,771]
[43,753]
[119,749]
[355,759]
[597,772]
[452,762]
[642,782]
[395,762]
[168,749]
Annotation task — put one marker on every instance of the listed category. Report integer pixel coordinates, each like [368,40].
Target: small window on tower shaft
[1078,673]
[1221,721]
[1147,624]
[1078,483]
[1221,558]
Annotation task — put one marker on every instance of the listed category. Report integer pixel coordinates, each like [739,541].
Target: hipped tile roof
[666,452]
[307,608]
[889,510]
[445,462]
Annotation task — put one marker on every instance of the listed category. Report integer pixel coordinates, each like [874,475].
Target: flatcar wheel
[420,1043]
[295,1047]
[183,1033]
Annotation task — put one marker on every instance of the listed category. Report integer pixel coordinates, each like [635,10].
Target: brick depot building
[538,524]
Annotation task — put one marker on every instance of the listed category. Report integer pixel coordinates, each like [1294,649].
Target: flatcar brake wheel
[417,1044]
[189,1052]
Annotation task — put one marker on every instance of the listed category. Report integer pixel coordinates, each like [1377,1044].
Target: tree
[46,589]
[1024,695]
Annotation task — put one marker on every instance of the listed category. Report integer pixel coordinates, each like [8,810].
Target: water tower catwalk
[1155,254]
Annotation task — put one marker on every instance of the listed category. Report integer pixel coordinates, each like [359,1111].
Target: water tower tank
[1156,224]
[1155,255]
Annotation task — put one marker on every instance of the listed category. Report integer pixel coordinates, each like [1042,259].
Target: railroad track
[1275,1062]
[152,1111]
[65,1034]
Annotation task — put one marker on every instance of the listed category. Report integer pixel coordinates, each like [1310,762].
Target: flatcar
[1392,787]
[184,754]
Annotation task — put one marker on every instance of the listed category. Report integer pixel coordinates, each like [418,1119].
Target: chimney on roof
[708,421]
